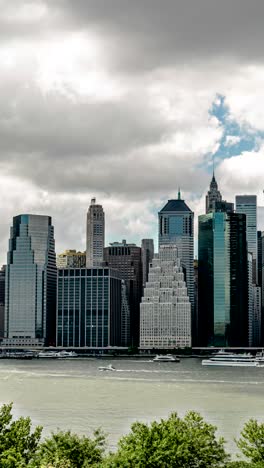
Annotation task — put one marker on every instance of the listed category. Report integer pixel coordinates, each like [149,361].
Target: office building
[147,254]
[71,259]
[2,302]
[165,310]
[260,236]
[247,204]
[176,227]
[223,280]
[213,196]
[89,308]
[126,259]
[30,294]
[95,235]
[256,316]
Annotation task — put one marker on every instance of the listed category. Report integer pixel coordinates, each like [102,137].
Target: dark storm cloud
[154,33]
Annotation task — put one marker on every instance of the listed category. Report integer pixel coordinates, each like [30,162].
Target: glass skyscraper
[89,308]
[223,280]
[247,204]
[30,299]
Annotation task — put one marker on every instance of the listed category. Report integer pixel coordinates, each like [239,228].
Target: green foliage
[17,442]
[179,443]
[251,442]
[68,450]
[243,464]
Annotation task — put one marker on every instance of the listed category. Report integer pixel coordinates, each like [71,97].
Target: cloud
[114,99]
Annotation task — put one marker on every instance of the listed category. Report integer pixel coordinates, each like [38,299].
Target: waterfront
[74,394]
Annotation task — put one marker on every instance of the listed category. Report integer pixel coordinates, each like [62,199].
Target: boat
[166,358]
[224,358]
[66,354]
[107,368]
[47,354]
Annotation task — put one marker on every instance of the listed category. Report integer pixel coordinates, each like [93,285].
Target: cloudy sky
[126,101]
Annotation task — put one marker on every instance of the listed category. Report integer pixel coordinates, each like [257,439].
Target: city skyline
[125,104]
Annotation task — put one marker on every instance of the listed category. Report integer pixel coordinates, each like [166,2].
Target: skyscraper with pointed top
[213,196]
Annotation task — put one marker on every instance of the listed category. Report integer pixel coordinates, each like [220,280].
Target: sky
[126,101]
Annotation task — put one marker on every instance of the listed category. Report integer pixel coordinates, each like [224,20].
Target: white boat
[107,368]
[47,354]
[66,354]
[166,358]
[223,358]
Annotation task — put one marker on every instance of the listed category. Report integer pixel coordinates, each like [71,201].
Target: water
[74,394]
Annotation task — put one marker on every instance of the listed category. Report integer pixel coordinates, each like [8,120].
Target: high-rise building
[147,254]
[165,310]
[223,280]
[89,308]
[2,302]
[260,236]
[71,259]
[247,204]
[126,259]
[95,235]
[256,316]
[31,275]
[176,227]
[213,195]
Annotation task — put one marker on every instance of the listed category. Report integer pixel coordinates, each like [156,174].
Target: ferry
[223,358]
[166,358]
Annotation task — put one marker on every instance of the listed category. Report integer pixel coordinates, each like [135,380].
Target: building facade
[89,308]
[71,259]
[223,280]
[30,291]
[147,254]
[126,259]
[176,227]
[95,235]
[165,310]
[247,204]
[213,196]
[2,302]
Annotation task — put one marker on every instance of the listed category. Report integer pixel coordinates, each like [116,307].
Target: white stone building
[165,310]
[95,235]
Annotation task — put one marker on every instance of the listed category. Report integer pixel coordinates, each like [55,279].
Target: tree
[243,464]
[251,442]
[68,450]
[180,443]
[17,443]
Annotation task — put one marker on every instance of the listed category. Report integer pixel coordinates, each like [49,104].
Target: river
[74,394]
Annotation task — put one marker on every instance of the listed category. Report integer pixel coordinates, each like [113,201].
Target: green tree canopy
[251,442]
[180,443]
[68,450]
[17,442]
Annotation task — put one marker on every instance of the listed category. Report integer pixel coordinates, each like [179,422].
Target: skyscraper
[147,254]
[247,204]
[176,227]
[30,302]
[95,235]
[2,301]
[213,195]
[89,307]
[126,259]
[223,280]
[165,310]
